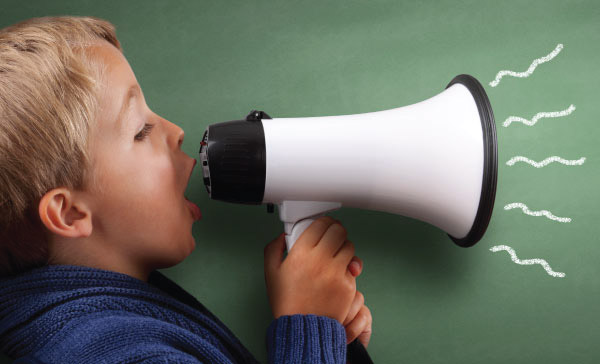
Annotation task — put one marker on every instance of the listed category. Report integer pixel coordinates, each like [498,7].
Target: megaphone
[435,161]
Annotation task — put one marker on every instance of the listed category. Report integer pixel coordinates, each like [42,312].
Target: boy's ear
[64,215]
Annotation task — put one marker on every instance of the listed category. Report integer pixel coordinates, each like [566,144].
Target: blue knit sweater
[74,314]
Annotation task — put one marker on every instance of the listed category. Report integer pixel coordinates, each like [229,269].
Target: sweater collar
[37,303]
[28,297]
[46,286]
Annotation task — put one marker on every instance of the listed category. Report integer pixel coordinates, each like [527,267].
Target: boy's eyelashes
[144,132]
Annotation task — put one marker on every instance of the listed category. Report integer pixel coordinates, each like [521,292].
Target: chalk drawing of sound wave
[531,68]
[546,161]
[526,210]
[515,259]
[538,116]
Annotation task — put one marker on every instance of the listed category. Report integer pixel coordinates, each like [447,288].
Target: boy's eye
[144,132]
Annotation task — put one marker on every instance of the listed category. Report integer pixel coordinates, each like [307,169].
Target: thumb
[274,253]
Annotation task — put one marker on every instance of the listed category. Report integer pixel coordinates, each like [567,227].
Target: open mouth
[194,209]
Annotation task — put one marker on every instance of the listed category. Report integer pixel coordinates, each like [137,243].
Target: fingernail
[356,266]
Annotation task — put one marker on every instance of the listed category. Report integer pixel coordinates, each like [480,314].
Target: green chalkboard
[201,62]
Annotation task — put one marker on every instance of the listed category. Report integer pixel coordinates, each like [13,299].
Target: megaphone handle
[298,215]
[356,353]
[298,229]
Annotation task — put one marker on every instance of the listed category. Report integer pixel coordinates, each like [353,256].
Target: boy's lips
[194,209]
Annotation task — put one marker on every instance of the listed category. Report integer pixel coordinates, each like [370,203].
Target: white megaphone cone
[435,161]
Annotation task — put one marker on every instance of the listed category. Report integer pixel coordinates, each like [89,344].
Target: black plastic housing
[237,160]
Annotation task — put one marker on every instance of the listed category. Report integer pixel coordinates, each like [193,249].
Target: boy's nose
[180,134]
[176,135]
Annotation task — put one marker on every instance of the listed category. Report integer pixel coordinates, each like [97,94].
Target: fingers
[274,254]
[332,240]
[314,233]
[365,336]
[357,303]
[355,267]
[345,254]
[360,327]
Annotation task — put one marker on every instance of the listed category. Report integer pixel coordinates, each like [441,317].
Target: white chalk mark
[546,161]
[539,115]
[526,210]
[539,261]
[529,71]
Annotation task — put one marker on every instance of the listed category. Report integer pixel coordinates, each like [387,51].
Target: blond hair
[48,101]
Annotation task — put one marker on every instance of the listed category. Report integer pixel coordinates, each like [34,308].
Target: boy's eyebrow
[133,91]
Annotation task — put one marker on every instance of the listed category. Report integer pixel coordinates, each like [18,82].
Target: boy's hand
[315,277]
[358,322]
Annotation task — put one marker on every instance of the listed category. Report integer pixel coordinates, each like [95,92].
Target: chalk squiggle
[529,71]
[539,115]
[526,210]
[539,261]
[546,161]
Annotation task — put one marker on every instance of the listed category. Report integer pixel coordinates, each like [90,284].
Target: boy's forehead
[119,84]
[117,69]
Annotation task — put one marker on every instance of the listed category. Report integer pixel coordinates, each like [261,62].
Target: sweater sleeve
[307,339]
[178,358]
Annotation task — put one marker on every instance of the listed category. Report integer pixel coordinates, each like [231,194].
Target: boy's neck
[98,258]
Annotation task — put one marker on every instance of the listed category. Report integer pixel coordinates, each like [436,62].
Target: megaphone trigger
[294,230]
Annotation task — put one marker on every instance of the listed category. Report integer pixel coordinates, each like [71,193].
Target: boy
[91,189]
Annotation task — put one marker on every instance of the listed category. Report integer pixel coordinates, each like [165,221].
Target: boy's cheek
[143,207]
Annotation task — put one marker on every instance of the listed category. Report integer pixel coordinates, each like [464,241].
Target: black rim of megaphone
[490,161]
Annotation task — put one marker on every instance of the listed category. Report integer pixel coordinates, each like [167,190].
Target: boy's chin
[173,258]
